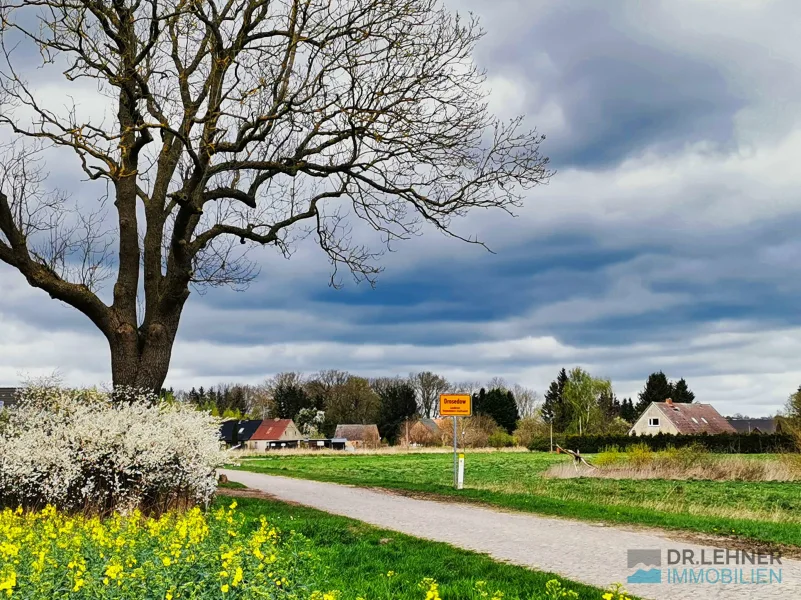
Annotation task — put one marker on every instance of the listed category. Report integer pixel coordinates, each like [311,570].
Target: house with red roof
[274,434]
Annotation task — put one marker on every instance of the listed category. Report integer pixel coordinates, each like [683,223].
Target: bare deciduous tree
[527,400]
[227,124]
[428,386]
[467,387]
[497,383]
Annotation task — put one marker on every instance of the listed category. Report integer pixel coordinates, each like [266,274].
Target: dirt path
[590,553]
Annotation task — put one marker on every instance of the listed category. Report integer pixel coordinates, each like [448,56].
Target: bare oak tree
[228,124]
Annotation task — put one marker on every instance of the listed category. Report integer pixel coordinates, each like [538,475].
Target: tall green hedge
[732,443]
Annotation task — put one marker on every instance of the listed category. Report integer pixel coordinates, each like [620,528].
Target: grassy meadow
[767,511]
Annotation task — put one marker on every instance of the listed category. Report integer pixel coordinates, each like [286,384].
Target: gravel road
[591,553]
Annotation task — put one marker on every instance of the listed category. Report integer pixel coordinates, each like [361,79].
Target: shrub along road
[584,552]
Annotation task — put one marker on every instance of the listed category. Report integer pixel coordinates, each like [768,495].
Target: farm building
[325,443]
[667,417]
[422,432]
[236,432]
[8,396]
[767,425]
[359,436]
[275,434]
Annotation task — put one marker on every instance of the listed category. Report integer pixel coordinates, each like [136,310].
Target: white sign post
[455,450]
[456,405]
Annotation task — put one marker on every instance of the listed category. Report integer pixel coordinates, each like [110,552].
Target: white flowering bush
[95,452]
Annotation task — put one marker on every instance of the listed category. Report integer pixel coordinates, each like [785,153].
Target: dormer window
[694,420]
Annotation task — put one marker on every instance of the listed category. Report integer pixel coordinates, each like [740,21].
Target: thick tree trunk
[140,358]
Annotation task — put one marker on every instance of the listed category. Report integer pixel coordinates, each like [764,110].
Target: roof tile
[271,429]
[695,418]
[358,433]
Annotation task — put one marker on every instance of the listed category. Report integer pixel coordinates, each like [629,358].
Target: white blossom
[83,450]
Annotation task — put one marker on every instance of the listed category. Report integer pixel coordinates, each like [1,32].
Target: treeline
[578,403]
[319,402]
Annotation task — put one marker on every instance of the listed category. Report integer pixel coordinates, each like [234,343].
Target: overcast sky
[668,240]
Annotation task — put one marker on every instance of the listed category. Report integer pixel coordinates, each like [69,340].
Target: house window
[704,420]
[695,420]
[653,422]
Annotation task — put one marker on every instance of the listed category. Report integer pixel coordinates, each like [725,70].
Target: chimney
[669,402]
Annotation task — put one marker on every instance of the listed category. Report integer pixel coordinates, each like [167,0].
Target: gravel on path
[594,554]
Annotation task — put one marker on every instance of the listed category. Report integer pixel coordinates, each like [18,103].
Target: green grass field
[356,559]
[766,511]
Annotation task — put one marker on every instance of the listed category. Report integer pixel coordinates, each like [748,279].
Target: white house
[679,418]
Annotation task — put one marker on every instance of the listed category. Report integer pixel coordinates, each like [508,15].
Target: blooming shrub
[82,450]
[49,554]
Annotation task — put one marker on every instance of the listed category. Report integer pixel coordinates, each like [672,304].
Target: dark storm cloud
[618,95]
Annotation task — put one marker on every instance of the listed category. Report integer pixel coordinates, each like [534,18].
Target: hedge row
[732,443]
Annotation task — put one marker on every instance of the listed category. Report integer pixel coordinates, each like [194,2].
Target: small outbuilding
[766,425]
[679,418]
[422,432]
[359,436]
[325,443]
[275,434]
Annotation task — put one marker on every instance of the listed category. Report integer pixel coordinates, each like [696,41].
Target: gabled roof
[767,425]
[695,418]
[358,433]
[431,425]
[244,430]
[8,396]
[271,429]
[443,422]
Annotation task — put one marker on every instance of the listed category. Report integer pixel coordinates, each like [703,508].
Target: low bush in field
[474,432]
[610,456]
[48,554]
[529,428]
[83,450]
[500,439]
[730,443]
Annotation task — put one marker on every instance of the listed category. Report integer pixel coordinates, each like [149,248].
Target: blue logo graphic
[649,576]
[645,558]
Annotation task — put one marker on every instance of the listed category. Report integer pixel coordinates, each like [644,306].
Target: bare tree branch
[225,125]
